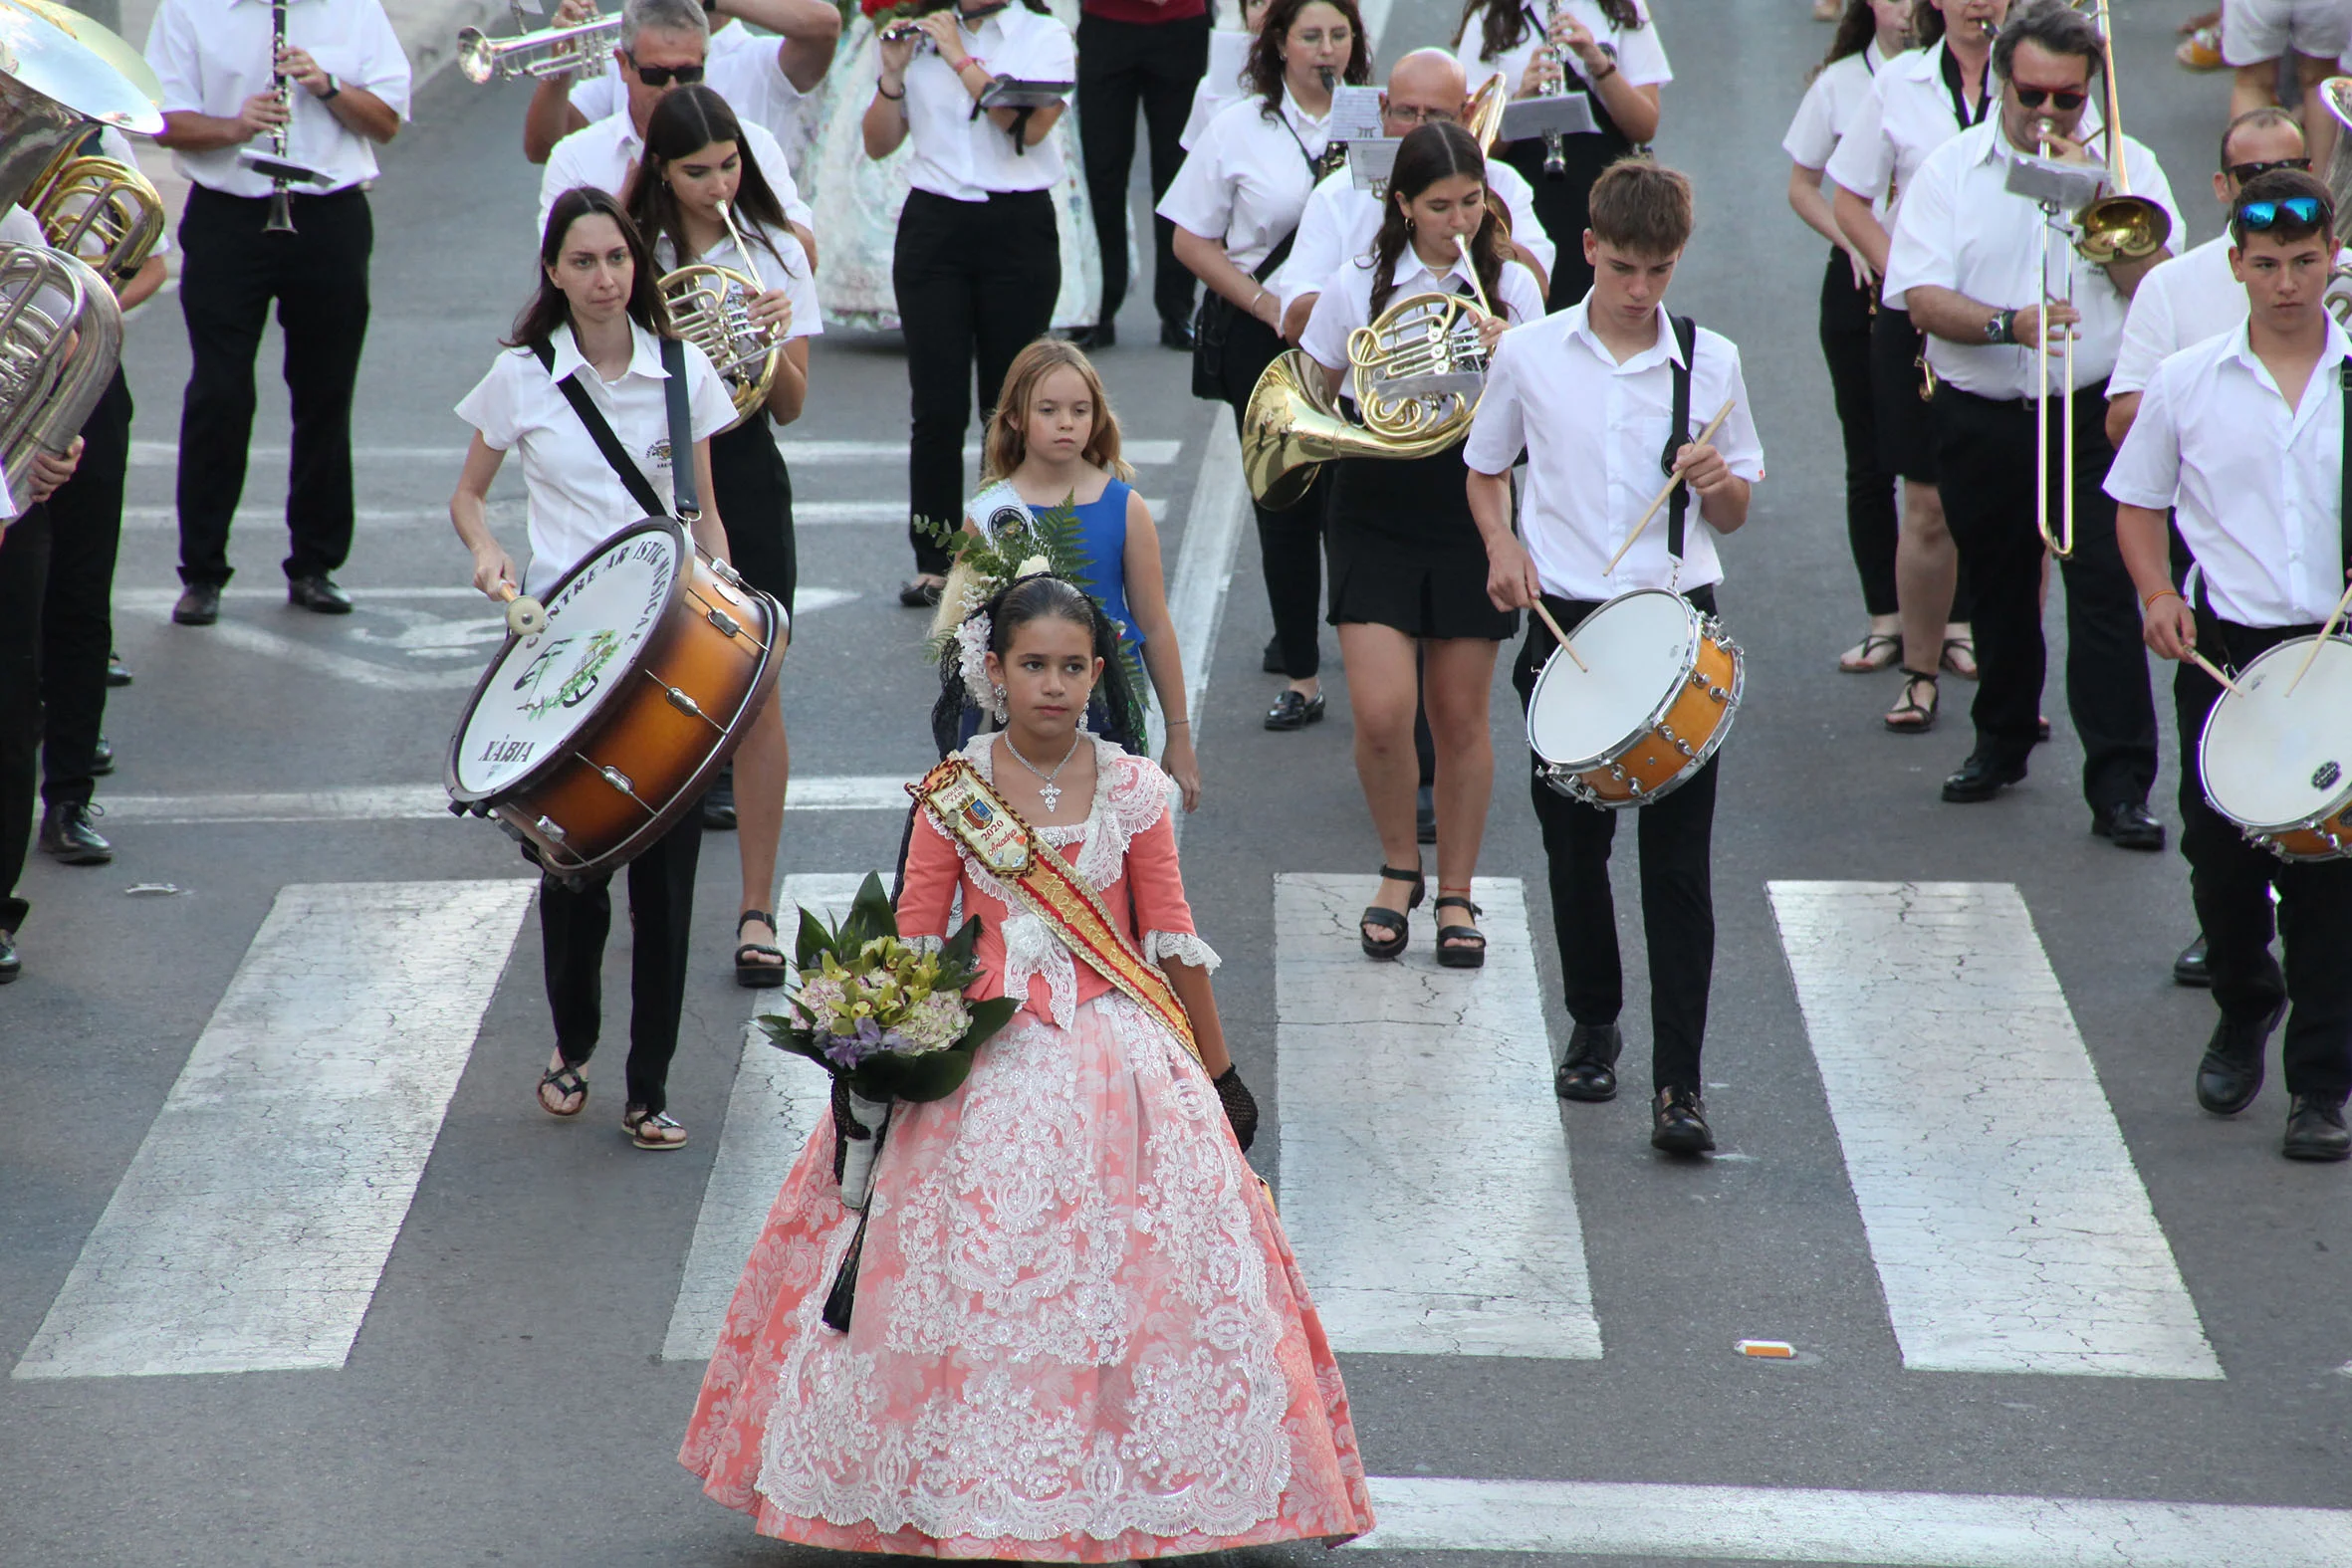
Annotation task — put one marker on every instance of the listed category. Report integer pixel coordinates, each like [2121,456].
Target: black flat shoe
[117,672]
[1176,333]
[915,593]
[2129,825]
[68,837]
[718,803]
[2316,1130]
[1272,663]
[2230,1073]
[1981,778]
[1589,1070]
[317,594]
[2189,969]
[1390,920]
[1460,945]
[10,965]
[199,605]
[1678,1123]
[1103,334]
[102,758]
[1294,710]
[1425,815]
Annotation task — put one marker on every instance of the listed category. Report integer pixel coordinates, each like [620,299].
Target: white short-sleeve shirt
[1910,112]
[1832,101]
[1637,50]
[744,68]
[2256,485]
[213,55]
[1341,221]
[1347,303]
[966,158]
[1246,183]
[2181,302]
[775,260]
[574,500]
[1595,430]
[1221,84]
[1961,229]
[608,152]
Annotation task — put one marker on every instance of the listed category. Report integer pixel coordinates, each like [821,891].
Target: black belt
[336,194]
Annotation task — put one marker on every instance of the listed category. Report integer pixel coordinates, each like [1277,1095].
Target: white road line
[2010,1229]
[405,803]
[1204,563]
[1780,1525]
[165,454]
[776,1103]
[1424,1174]
[321,661]
[806,514]
[253,1224]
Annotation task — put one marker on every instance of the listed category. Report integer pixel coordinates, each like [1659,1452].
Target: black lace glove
[1240,1108]
[845,1126]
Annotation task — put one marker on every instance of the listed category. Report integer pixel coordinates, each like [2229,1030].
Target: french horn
[710,308]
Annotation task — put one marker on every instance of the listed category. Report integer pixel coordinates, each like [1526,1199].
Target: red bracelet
[2149,602]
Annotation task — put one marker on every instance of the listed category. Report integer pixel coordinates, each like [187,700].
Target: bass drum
[589,739]
[1650,702]
[2278,763]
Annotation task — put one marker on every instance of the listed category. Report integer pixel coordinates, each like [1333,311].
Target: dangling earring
[996,706]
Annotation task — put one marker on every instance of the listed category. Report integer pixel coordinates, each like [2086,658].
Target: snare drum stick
[2218,673]
[2320,641]
[1559,635]
[1666,490]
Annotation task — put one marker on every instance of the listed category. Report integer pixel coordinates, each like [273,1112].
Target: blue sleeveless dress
[1102,539]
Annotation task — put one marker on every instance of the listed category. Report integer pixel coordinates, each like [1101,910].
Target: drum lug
[1685,748]
[726,624]
[619,781]
[682,702]
[726,570]
[548,826]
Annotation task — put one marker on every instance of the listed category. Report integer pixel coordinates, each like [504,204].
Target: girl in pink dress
[1078,1334]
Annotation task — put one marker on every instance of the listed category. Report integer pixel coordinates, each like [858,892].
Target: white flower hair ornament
[972,662]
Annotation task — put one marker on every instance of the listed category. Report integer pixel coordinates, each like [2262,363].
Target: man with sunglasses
[663,44]
[1966,261]
[2246,437]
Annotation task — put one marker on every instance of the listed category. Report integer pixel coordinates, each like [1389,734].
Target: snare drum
[589,740]
[1655,697]
[2279,765]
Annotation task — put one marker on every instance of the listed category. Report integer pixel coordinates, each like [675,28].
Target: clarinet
[281,219]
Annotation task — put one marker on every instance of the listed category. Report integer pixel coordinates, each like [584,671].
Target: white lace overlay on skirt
[1064,1324]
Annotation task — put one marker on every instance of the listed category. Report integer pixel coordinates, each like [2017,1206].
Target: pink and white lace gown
[1079,1333]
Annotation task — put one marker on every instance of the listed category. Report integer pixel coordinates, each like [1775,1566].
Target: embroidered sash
[970,813]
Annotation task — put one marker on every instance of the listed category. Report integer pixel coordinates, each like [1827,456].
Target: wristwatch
[333,88]
[1996,327]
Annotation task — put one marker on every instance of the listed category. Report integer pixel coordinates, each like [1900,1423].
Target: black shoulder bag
[1213,321]
[1678,431]
[688,508]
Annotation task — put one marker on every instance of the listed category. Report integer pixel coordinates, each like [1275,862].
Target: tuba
[2336,93]
[97,209]
[710,308]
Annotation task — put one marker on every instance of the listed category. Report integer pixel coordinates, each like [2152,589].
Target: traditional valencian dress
[1078,1335]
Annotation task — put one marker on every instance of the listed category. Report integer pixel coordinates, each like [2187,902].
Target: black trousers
[2231,882]
[1676,835]
[230,272]
[572,925]
[1871,525]
[24,583]
[77,617]
[1289,540]
[976,283]
[1986,450]
[1123,66]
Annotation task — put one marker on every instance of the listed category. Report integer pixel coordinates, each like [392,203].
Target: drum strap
[631,477]
[1678,431]
[2344,501]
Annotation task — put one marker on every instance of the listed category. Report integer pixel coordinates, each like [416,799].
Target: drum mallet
[1704,437]
[524,615]
[2320,641]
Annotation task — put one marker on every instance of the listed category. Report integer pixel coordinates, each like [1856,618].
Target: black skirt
[755,499]
[1404,552]
[1906,438]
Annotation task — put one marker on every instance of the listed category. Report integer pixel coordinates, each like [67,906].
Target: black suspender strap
[2344,503]
[631,477]
[673,359]
[1678,431]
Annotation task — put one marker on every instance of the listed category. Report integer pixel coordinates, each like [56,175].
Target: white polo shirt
[745,69]
[1908,115]
[775,260]
[1637,50]
[574,500]
[608,152]
[967,158]
[2257,485]
[1832,103]
[1961,229]
[1246,183]
[1341,221]
[1347,303]
[213,55]
[1225,82]
[1595,430]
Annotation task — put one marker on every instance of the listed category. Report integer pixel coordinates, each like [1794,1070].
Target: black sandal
[566,1081]
[1460,945]
[1390,920]
[753,976]
[1911,716]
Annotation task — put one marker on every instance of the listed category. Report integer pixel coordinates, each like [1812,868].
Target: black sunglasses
[663,76]
[2062,98]
[2242,173]
[2302,211]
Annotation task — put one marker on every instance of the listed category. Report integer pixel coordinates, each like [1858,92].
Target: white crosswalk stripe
[253,1224]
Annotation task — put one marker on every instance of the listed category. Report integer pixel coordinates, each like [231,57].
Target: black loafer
[1425,815]
[1176,333]
[68,837]
[317,594]
[199,605]
[2230,1073]
[1981,778]
[10,965]
[1272,663]
[102,758]
[1589,1070]
[1678,1123]
[2128,826]
[2189,969]
[1293,711]
[1100,336]
[2316,1130]
[117,672]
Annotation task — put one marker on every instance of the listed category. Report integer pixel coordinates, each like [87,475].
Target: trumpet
[907,28]
[549,52]
[710,306]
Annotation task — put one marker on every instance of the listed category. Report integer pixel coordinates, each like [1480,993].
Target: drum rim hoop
[1696,621]
[2338,805]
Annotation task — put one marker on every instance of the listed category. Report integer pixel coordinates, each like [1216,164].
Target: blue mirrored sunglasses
[2260,215]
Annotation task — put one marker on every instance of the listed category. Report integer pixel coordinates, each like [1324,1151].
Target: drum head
[543,690]
[2275,760]
[1637,649]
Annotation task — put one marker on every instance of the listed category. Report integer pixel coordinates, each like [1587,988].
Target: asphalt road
[505,1400]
